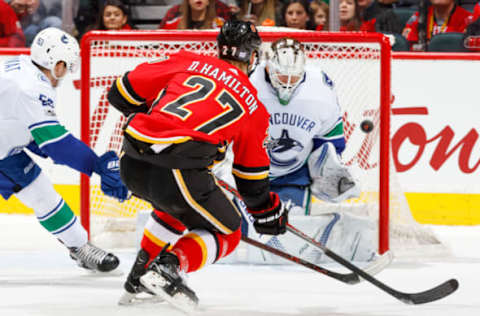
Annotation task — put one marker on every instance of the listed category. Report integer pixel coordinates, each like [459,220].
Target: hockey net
[358,64]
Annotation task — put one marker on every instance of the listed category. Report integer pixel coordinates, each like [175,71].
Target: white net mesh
[353,64]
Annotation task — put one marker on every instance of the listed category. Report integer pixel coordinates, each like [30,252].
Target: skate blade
[155,283]
[129,299]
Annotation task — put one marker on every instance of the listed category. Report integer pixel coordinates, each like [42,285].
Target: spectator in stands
[113,16]
[34,16]
[472,35]
[386,22]
[443,16]
[378,15]
[233,7]
[196,14]
[476,11]
[223,10]
[296,14]
[370,9]
[11,34]
[350,19]
[86,16]
[319,10]
[23,8]
[364,6]
[258,12]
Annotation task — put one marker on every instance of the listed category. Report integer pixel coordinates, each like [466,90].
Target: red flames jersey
[457,22]
[11,34]
[201,98]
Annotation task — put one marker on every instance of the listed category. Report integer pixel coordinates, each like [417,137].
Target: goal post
[359,64]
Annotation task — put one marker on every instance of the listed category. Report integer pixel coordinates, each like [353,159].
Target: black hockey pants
[189,194]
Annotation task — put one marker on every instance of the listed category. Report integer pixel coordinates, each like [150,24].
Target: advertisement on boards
[434,138]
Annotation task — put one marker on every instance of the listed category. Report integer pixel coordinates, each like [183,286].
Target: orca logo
[64,39]
[280,145]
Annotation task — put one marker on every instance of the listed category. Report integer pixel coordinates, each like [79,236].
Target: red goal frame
[340,37]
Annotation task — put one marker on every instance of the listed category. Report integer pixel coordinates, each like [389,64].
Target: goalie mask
[53,45]
[286,67]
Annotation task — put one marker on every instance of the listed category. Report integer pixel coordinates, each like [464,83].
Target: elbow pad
[122,97]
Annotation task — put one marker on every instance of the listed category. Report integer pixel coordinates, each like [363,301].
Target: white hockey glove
[331,179]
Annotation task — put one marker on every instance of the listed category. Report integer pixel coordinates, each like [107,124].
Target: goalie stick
[430,295]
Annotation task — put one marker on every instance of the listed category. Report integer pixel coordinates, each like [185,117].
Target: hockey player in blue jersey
[28,122]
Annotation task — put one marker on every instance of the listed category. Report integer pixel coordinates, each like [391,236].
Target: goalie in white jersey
[306,141]
[28,121]
[306,127]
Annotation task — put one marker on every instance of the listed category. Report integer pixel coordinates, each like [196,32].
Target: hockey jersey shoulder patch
[48,105]
[327,80]
[41,77]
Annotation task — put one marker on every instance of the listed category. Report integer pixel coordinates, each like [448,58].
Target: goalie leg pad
[331,179]
[298,195]
[351,237]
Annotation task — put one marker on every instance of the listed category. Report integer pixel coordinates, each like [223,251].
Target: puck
[366,126]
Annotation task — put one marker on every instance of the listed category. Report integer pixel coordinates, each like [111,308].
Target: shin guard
[200,247]
[161,229]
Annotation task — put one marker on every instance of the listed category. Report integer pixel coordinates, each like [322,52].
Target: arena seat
[447,42]
[468,4]
[401,44]
[403,14]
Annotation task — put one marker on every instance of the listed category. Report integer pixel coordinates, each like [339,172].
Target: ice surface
[37,277]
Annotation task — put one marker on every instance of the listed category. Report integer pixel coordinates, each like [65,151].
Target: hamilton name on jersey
[228,79]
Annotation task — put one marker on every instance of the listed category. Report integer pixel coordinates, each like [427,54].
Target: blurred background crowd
[416,25]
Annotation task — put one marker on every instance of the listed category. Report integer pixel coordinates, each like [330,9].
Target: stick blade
[379,264]
[434,294]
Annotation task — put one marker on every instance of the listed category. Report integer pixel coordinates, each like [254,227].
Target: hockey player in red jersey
[183,112]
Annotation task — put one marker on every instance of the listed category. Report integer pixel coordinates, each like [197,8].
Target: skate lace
[90,253]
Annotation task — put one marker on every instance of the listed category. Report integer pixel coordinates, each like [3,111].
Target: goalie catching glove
[108,168]
[331,179]
[273,220]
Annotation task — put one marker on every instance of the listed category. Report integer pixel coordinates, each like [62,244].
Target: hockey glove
[108,168]
[273,220]
[33,147]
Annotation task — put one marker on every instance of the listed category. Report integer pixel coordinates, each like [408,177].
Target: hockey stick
[374,267]
[433,294]
[349,278]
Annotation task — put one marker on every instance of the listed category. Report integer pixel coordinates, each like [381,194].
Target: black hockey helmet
[238,40]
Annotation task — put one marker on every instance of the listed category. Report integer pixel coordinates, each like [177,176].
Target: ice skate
[163,277]
[135,292]
[93,258]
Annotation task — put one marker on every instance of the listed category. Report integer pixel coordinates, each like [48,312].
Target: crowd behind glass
[416,25]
